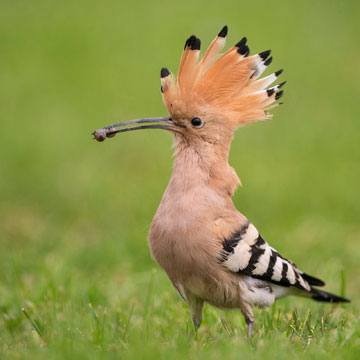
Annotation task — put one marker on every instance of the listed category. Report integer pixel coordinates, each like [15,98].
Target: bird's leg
[250,324]
[195,305]
[196,314]
[248,313]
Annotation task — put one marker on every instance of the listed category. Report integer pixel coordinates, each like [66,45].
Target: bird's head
[212,96]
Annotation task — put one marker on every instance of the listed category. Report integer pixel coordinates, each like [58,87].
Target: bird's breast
[181,237]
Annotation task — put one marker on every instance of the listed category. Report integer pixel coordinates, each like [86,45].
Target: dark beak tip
[110,131]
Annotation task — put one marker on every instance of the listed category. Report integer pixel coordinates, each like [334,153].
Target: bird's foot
[250,325]
[193,333]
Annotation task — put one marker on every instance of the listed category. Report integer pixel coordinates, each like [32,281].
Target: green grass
[74,214]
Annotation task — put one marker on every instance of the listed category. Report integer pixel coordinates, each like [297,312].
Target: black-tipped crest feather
[279,95]
[264,55]
[223,32]
[268,61]
[164,72]
[270,92]
[196,43]
[241,43]
[243,50]
[189,41]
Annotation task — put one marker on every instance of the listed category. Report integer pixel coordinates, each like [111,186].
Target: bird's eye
[196,122]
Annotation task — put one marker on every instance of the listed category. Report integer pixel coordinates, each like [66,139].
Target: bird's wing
[246,252]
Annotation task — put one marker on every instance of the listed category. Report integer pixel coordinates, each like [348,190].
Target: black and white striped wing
[247,253]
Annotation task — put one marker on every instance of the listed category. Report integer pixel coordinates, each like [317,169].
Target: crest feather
[213,50]
[188,62]
[229,83]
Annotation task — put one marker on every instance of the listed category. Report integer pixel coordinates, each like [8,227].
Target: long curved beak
[164,123]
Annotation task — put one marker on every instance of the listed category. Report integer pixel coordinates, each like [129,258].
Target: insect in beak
[164,123]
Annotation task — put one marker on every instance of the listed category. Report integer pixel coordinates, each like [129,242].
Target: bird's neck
[203,164]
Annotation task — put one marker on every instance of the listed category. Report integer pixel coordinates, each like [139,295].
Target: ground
[74,214]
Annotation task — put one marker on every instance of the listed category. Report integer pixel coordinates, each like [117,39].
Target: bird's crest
[228,84]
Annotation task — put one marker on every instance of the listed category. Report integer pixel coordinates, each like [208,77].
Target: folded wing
[247,253]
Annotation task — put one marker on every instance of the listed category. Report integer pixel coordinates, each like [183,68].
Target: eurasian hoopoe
[209,250]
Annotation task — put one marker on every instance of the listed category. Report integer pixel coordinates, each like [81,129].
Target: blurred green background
[74,214]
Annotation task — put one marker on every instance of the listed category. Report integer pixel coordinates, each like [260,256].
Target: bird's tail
[321,295]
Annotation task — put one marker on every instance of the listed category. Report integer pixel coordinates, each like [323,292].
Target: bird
[209,250]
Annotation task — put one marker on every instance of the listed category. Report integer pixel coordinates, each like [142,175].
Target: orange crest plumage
[229,84]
